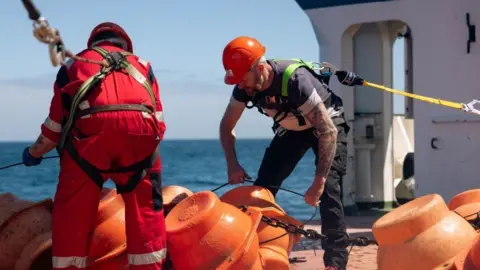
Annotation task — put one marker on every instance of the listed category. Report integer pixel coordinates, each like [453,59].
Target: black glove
[348,78]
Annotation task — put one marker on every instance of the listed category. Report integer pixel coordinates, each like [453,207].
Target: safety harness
[115,61]
[286,106]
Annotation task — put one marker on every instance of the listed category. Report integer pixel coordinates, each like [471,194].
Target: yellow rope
[442,102]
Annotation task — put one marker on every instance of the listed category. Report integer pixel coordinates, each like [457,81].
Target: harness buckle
[114,59]
[281,131]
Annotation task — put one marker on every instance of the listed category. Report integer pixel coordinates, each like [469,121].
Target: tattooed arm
[41,146]
[320,119]
[304,90]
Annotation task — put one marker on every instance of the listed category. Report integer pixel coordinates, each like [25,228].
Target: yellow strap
[438,101]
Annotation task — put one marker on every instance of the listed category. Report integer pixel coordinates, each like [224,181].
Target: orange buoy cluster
[423,234]
[275,243]
[25,234]
[205,231]
[26,237]
[208,232]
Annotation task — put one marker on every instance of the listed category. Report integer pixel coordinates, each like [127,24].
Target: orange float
[422,234]
[466,204]
[274,258]
[107,248]
[469,258]
[205,233]
[109,238]
[37,255]
[173,195]
[20,222]
[250,196]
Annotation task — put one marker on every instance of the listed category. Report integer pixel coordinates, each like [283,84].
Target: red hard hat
[239,56]
[113,28]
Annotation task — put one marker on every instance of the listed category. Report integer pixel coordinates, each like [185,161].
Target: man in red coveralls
[110,129]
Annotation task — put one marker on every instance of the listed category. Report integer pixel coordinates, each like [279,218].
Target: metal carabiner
[332,70]
[470,107]
[280,131]
[44,33]
[321,68]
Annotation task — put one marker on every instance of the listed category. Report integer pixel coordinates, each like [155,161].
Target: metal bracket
[471,33]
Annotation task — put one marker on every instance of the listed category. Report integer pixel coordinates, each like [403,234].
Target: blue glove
[29,160]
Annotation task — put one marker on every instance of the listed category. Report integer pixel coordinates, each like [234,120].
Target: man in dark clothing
[306,115]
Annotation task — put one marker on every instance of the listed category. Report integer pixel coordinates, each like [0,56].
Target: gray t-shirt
[305,92]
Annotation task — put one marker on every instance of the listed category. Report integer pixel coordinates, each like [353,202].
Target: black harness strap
[139,169]
[286,108]
[117,62]
[86,166]
[113,107]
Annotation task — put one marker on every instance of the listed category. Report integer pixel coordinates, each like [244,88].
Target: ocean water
[195,164]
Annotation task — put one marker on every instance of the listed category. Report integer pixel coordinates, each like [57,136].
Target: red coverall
[107,140]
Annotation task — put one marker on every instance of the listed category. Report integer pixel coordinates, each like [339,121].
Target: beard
[259,82]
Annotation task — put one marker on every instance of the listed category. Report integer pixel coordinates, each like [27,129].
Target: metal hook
[470,107]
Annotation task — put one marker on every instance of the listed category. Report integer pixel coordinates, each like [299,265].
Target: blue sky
[182,39]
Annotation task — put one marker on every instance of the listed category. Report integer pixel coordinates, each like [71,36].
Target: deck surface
[361,258]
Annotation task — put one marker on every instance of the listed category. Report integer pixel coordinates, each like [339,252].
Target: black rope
[219,187]
[21,163]
[284,189]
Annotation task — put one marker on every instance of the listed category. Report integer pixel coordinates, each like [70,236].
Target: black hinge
[471,33]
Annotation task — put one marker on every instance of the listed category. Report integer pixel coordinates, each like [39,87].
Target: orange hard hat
[113,28]
[239,56]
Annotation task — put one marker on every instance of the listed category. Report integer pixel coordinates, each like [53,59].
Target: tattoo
[327,138]
[42,146]
[39,141]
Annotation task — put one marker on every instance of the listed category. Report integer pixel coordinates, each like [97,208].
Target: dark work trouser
[281,158]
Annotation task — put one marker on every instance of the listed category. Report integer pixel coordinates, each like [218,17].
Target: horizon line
[169,139]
